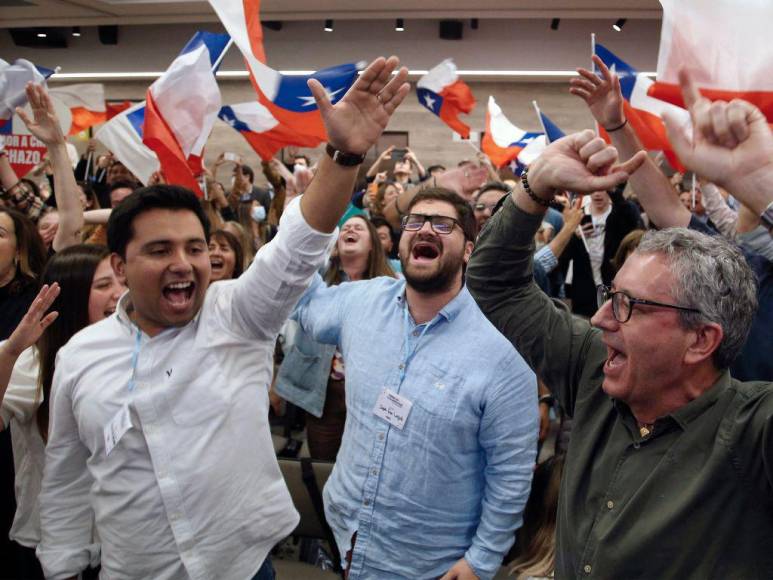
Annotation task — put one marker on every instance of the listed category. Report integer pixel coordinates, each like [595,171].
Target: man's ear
[707,340]
[468,247]
[119,267]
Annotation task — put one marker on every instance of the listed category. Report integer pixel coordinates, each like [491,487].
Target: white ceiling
[30,13]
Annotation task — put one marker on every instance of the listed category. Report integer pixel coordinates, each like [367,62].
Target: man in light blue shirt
[441,430]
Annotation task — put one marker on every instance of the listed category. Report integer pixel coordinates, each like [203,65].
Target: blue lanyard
[135,358]
[409,354]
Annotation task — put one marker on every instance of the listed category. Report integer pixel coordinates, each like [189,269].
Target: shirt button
[401,367]
[380,436]
[374,471]
[610,504]
[416,333]
[366,503]
[587,568]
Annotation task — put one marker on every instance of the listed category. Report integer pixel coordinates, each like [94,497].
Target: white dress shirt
[18,413]
[193,489]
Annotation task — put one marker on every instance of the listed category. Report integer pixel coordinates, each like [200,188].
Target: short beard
[441,281]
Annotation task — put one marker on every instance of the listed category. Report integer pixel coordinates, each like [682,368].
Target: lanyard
[135,358]
[409,353]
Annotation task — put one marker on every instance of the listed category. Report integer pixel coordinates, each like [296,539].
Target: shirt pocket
[199,395]
[441,393]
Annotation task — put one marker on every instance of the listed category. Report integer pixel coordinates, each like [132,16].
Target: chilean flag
[287,98]
[642,111]
[726,46]
[86,103]
[503,142]
[442,93]
[261,130]
[13,81]
[122,135]
[181,109]
[552,132]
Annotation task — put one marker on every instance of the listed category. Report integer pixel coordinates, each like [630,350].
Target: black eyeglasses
[622,303]
[440,224]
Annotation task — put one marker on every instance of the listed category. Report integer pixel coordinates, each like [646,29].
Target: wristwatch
[342,158]
[766,217]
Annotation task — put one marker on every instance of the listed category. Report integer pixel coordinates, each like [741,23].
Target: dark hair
[29,246]
[432,168]
[492,185]
[73,268]
[379,221]
[301,156]
[378,202]
[90,194]
[172,197]
[32,185]
[627,245]
[463,209]
[236,246]
[247,170]
[120,184]
[378,265]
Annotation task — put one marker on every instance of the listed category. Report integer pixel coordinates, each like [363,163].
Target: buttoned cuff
[483,562]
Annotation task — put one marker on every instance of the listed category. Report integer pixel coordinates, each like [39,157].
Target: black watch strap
[342,158]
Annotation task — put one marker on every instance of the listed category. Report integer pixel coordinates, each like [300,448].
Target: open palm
[355,122]
[45,124]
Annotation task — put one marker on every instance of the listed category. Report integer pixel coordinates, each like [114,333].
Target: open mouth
[615,359]
[179,294]
[351,238]
[216,263]
[109,311]
[425,251]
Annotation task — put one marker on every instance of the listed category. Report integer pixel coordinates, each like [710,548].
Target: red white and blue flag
[122,135]
[503,142]
[86,103]
[13,81]
[442,93]
[261,130]
[725,44]
[287,97]
[642,111]
[181,109]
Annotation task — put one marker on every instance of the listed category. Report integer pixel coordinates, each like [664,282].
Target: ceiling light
[42,35]
[328,26]
[554,23]
[618,26]
[76,30]
[399,25]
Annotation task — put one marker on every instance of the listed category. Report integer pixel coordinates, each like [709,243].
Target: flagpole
[692,192]
[222,55]
[593,68]
[539,118]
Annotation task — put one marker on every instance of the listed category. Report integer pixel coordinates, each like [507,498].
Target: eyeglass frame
[429,218]
[609,295]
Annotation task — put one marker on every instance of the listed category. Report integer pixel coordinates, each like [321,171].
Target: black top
[14,302]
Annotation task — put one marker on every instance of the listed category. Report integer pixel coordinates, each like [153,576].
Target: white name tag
[117,428]
[393,408]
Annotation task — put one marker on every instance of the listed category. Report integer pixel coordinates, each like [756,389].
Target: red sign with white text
[24,152]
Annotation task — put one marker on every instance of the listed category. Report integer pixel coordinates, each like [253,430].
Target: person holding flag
[171,457]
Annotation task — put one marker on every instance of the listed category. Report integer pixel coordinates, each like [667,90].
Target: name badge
[117,428]
[393,408]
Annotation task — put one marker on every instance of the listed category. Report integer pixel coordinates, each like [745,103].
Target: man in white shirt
[159,428]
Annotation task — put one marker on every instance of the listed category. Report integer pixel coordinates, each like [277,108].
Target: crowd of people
[433,327]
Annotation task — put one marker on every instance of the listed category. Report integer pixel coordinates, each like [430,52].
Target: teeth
[179,286]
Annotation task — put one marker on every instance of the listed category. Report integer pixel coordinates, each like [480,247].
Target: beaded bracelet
[529,192]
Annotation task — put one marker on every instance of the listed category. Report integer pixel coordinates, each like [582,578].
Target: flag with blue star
[442,93]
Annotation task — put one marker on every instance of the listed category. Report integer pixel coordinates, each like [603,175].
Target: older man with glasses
[441,429]
[669,472]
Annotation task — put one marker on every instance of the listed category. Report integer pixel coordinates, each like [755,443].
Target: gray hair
[712,276]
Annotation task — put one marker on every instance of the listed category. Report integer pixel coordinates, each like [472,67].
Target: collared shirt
[18,412]
[454,480]
[193,489]
[691,499]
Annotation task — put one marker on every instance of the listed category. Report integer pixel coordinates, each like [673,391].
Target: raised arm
[282,270]
[605,101]
[411,156]
[373,169]
[45,126]
[499,275]
[732,145]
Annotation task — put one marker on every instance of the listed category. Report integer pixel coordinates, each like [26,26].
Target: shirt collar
[124,306]
[451,310]
[695,408]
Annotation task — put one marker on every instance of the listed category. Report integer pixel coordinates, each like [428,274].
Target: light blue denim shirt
[454,481]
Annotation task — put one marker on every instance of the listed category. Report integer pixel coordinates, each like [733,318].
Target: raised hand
[35,321]
[355,122]
[463,180]
[602,94]
[45,125]
[580,162]
[732,144]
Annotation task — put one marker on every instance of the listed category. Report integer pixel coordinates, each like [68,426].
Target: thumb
[675,131]
[320,96]
[632,164]
[604,182]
